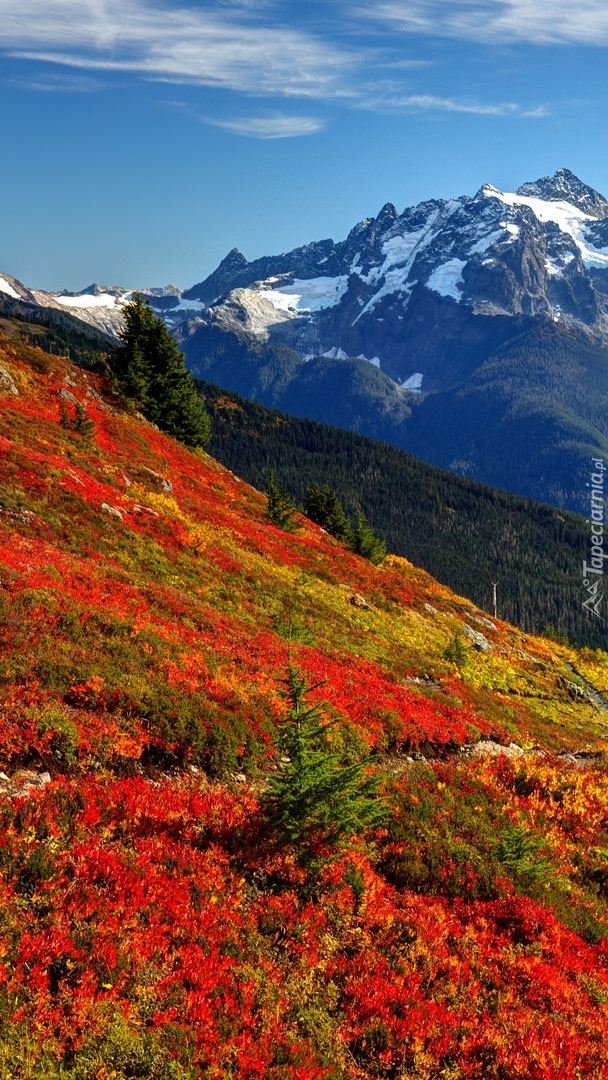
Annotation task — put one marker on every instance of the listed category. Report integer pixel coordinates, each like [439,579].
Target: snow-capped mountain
[96,306]
[99,306]
[400,280]
[542,251]
[471,331]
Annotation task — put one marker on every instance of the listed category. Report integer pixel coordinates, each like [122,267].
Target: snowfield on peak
[378,293]
[301,296]
[447,279]
[414,383]
[488,241]
[8,289]
[538,251]
[568,218]
[89,300]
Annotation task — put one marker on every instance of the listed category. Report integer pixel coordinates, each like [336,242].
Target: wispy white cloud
[253,49]
[537,113]
[227,47]
[58,84]
[271,126]
[274,127]
[432,103]
[542,22]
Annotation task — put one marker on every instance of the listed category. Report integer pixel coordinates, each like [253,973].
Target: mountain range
[472,332]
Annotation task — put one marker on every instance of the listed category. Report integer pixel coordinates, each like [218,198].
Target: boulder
[7,383]
[480,642]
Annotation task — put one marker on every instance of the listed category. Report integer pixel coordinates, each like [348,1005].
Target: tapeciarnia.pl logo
[593,571]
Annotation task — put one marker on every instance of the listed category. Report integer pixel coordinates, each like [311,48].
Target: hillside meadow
[153,923]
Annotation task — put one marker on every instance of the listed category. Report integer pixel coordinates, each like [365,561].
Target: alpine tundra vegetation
[428,895]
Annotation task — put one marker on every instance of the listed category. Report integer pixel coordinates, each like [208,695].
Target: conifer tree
[281,508]
[130,363]
[456,651]
[150,369]
[365,542]
[323,506]
[315,796]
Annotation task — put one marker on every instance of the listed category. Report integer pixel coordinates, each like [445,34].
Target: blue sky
[143,139]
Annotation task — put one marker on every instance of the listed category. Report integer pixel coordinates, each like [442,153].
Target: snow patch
[398,249]
[336,353]
[446,279]
[259,312]
[414,383]
[187,305]
[400,253]
[486,242]
[569,219]
[312,295]
[8,289]
[103,300]
[555,268]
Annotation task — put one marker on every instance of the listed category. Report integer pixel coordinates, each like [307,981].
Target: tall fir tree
[150,369]
[129,362]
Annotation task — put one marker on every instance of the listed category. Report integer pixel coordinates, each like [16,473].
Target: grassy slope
[150,924]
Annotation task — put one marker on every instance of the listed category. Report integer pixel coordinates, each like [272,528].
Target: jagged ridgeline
[471,332]
[464,533]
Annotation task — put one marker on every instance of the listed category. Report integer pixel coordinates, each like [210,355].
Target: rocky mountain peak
[220,280]
[96,290]
[387,214]
[565,186]
[233,260]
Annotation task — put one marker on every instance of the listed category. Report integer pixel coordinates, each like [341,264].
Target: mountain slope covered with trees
[168,657]
[525,414]
[464,533]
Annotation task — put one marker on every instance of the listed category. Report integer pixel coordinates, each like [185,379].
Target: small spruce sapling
[81,423]
[314,796]
[518,851]
[365,542]
[456,651]
[281,508]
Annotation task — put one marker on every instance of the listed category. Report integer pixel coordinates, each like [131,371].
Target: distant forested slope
[464,533]
[57,333]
